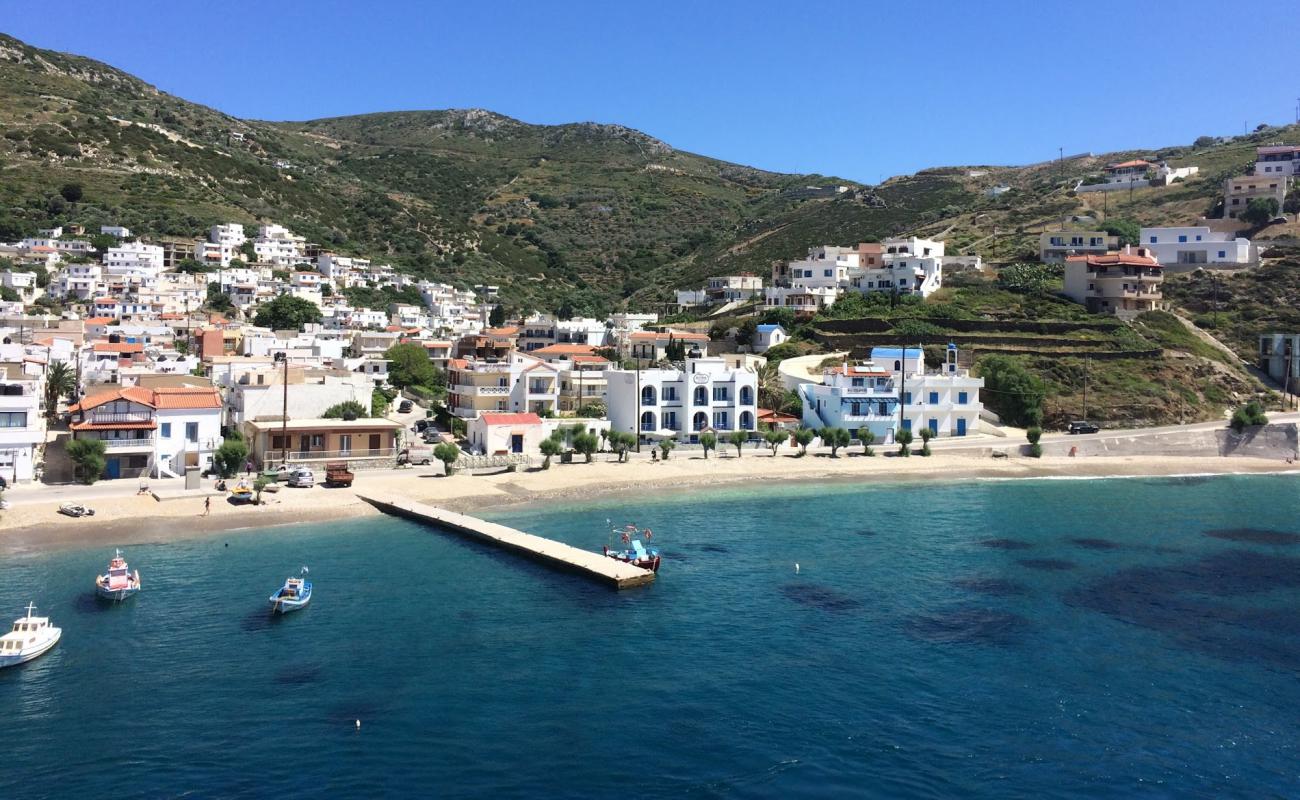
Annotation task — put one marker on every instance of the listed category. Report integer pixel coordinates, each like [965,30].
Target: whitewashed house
[705,395]
[1196,245]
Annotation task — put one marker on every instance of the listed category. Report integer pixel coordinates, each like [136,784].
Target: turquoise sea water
[1080,639]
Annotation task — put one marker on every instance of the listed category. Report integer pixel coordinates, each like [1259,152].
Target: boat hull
[281,606]
[35,652]
[116,595]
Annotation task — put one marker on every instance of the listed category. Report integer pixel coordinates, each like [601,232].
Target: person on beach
[207,505]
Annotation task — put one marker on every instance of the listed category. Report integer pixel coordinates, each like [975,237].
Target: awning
[662,433]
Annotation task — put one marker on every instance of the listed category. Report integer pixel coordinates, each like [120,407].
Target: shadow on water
[995,587]
[299,674]
[709,547]
[968,625]
[1046,564]
[1006,544]
[1255,536]
[865,532]
[1186,602]
[821,597]
[91,603]
[259,620]
[1095,544]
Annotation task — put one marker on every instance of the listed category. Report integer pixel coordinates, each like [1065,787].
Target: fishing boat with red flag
[633,551]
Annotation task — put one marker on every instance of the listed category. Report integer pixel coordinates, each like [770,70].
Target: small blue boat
[294,595]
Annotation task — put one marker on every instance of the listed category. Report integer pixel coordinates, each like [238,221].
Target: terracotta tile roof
[683,336]
[590,359]
[177,397]
[768,415]
[135,394]
[564,350]
[1120,259]
[509,330]
[99,320]
[457,363]
[1137,162]
[512,419]
[118,347]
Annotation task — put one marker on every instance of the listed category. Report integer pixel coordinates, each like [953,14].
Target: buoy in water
[796,567]
[358,724]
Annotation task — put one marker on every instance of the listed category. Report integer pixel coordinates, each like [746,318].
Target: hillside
[584,216]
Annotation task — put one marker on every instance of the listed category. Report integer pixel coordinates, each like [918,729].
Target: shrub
[1013,392]
[867,437]
[803,437]
[775,438]
[926,436]
[1033,434]
[550,446]
[665,447]
[229,457]
[88,455]
[709,442]
[586,443]
[835,438]
[448,454]
[737,440]
[1250,414]
[347,410]
[904,438]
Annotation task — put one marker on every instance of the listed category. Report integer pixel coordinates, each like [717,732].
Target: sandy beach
[124,519]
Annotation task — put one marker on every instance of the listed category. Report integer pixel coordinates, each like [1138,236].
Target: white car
[302,478]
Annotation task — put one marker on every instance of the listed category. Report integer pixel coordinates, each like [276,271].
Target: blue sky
[862,90]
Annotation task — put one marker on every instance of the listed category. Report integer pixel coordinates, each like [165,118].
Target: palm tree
[60,381]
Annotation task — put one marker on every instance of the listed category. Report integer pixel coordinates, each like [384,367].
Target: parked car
[337,474]
[404,407]
[416,455]
[76,510]
[302,478]
[432,435]
[421,425]
[281,472]
[1083,426]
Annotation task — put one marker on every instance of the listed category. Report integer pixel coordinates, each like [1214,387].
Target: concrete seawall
[1265,441]
[555,554]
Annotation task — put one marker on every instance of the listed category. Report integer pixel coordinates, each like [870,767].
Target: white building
[1055,246]
[78,282]
[276,245]
[1196,245]
[768,336]
[230,234]
[857,396]
[22,283]
[134,264]
[518,382]
[22,427]
[157,432]
[115,230]
[706,394]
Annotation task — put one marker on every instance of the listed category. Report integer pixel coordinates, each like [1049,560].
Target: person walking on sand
[207,505]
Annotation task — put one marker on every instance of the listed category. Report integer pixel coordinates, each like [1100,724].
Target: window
[826,273]
[746,396]
[746,421]
[670,393]
[907,398]
[857,381]
[720,420]
[191,432]
[1153,240]
[647,395]
[962,398]
[318,441]
[1182,239]
[166,430]
[1223,254]
[934,398]
[934,426]
[701,396]
[13,419]
[670,419]
[345,443]
[720,394]
[907,424]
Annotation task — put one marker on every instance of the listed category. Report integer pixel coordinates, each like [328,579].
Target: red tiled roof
[178,397]
[564,350]
[1121,259]
[512,418]
[99,320]
[1137,162]
[112,426]
[133,393]
[590,359]
[768,415]
[509,330]
[118,347]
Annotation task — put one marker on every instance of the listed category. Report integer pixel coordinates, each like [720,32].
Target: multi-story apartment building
[705,394]
[1055,246]
[1239,191]
[276,245]
[653,345]
[1278,159]
[868,396]
[1279,356]
[1192,246]
[156,432]
[230,234]
[134,264]
[22,283]
[22,427]
[582,373]
[78,281]
[1123,283]
[515,382]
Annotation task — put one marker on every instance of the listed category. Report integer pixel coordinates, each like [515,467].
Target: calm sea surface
[1082,639]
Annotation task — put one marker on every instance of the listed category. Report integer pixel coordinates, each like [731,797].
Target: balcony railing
[127,444]
[113,418]
[300,456]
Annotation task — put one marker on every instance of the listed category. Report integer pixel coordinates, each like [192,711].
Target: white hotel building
[706,394]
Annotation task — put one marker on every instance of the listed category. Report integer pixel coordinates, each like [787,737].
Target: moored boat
[634,552]
[119,582]
[294,595]
[242,492]
[31,637]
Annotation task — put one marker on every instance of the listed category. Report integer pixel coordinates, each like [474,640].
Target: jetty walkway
[552,553]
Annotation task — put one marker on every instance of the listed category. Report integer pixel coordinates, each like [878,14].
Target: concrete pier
[552,553]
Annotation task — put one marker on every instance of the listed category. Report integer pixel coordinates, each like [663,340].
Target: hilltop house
[767,336]
[1055,246]
[1239,191]
[1278,159]
[1192,246]
[1122,283]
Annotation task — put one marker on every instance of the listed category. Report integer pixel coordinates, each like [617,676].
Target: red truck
[337,474]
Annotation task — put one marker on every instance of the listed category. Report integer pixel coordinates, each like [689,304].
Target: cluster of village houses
[160,381]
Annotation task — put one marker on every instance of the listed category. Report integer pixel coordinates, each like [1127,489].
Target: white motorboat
[31,637]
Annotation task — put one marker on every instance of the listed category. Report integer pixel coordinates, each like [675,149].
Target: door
[374,444]
[113,468]
[961,426]
[516,443]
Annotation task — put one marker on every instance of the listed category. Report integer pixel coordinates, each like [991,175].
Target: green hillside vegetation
[1238,306]
[586,217]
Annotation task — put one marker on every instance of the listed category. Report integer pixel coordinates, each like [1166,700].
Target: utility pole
[1085,388]
[1060,163]
[284,419]
[636,421]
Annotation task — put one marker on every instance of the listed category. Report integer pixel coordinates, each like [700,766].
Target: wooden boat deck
[548,551]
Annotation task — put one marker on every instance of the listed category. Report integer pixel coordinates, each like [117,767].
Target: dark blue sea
[1043,639]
